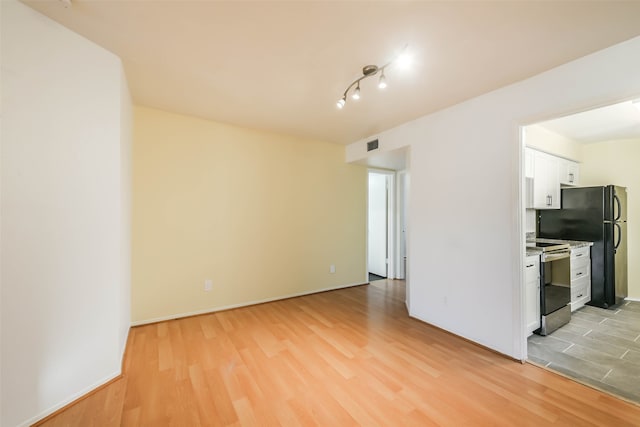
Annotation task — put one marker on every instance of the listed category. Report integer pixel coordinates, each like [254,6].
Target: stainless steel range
[555,285]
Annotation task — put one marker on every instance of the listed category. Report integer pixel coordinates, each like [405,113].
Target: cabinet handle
[579,255]
[579,296]
[570,177]
[579,274]
[531,265]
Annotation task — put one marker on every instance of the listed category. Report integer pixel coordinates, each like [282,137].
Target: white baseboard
[243,304]
[68,400]
[632,299]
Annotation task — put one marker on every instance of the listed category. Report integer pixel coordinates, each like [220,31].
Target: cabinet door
[529,162]
[532,293]
[569,172]
[546,182]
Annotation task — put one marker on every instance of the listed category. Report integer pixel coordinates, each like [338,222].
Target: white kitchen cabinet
[529,162]
[580,277]
[546,181]
[532,293]
[569,172]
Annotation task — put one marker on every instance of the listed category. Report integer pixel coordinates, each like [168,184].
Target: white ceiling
[281,66]
[618,121]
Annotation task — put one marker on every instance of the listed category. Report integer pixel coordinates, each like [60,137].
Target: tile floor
[598,347]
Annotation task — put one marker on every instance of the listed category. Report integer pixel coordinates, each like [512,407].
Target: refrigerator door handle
[615,246]
[615,197]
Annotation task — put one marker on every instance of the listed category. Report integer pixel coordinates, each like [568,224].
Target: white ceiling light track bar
[401,58]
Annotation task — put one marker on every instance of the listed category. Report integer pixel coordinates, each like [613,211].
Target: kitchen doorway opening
[564,161]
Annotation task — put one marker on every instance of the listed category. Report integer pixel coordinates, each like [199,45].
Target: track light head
[341,102]
[382,83]
[356,93]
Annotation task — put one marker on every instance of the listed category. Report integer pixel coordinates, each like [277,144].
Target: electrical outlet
[332,269]
[208,285]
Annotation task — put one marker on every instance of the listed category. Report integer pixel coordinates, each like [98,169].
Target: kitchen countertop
[533,252]
[575,244]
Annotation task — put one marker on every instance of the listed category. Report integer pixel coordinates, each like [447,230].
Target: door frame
[402,219]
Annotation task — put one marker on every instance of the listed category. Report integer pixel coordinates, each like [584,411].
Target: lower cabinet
[532,293]
[580,277]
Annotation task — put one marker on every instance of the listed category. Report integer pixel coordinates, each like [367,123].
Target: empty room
[331,213]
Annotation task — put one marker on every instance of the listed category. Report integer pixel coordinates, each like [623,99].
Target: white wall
[126,136]
[466,232]
[64,215]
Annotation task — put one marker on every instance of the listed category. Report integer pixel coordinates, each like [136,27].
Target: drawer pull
[579,296]
[579,274]
[579,255]
[530,265]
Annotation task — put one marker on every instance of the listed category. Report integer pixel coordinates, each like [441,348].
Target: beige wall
[544,140]
[262,215]
[616,162]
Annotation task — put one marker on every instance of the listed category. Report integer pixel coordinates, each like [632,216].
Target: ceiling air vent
[372,145]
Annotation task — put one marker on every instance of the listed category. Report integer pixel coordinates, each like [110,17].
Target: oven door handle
[548,257]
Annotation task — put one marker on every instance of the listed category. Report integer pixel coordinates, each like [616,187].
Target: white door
[378,200]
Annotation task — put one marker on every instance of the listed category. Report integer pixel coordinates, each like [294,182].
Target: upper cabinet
[546,181]
[569,172]
[529,162]
[546,174]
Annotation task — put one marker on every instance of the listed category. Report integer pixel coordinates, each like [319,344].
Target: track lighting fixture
[402,59]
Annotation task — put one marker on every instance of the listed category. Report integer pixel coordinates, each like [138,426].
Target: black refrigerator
[598,215]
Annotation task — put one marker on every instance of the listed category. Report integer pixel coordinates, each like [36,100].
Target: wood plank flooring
[341,358]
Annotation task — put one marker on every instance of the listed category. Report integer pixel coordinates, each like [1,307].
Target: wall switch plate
[332,268]
[208,285]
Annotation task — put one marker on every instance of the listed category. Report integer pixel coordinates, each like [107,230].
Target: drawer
[577,263]
[584,252]
[580,288]
[579,272]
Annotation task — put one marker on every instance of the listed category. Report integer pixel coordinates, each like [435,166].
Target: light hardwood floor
[340,358]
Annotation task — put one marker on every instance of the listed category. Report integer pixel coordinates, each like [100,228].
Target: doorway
[378,225]
[598,346]
[387,224]
[391,176]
